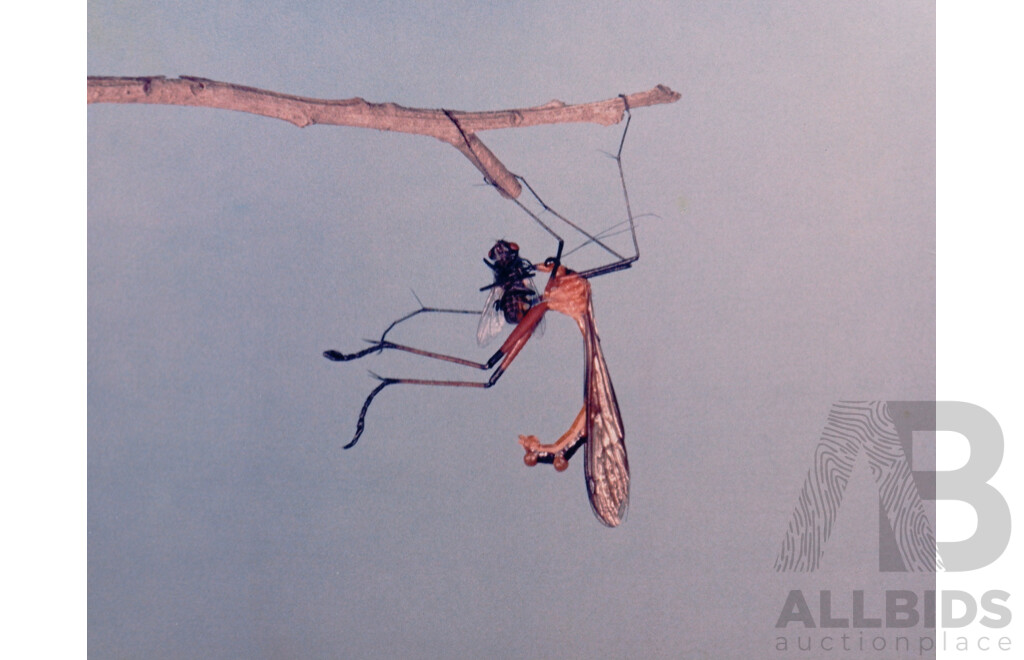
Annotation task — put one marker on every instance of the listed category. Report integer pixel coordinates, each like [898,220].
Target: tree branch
[454,127]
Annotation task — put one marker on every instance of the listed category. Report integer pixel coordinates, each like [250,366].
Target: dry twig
[444,125]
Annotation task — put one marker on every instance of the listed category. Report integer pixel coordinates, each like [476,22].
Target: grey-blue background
[788,261]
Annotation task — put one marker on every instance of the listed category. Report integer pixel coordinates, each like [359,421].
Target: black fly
[512,292]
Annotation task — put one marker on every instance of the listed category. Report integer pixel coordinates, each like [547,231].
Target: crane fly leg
[379,346]
[503,357]
[382,343]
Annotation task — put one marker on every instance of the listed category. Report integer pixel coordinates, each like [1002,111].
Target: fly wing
[606,464]
[492,320]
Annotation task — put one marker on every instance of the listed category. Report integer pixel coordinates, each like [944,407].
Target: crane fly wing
[606,466]
[492,320]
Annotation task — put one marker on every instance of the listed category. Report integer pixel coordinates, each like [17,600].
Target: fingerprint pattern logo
[853,427]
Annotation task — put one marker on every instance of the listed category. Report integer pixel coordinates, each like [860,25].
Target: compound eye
[514,247]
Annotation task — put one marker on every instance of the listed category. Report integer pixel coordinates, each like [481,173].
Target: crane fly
[513,299]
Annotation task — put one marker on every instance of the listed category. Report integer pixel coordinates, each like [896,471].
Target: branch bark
[455,127]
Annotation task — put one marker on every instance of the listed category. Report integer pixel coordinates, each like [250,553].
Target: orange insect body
[598,422]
